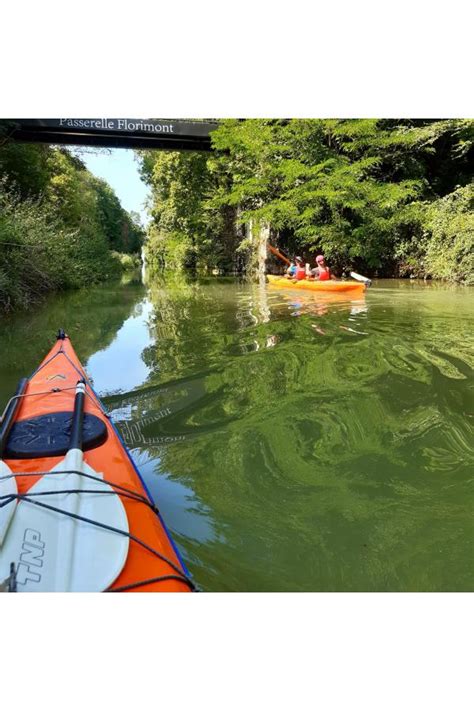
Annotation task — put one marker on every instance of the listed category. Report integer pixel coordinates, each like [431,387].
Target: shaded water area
[292,441]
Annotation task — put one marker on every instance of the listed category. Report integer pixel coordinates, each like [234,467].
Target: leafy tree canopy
[356,189]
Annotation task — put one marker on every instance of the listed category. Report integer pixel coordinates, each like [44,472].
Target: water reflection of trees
[91,317]
[321,468]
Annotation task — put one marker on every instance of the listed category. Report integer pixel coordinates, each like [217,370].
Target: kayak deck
[305,284]
[153,562]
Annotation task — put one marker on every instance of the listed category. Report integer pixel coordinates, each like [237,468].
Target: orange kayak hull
[338,287]
[51,389]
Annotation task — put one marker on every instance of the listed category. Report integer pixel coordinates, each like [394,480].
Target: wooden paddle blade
[54,552]
[277,253]
[8,487]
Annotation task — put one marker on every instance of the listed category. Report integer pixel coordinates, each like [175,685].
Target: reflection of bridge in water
[140,413]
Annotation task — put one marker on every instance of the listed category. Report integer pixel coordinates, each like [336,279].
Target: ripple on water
[293,442]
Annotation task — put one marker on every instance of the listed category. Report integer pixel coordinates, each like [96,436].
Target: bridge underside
[162,134]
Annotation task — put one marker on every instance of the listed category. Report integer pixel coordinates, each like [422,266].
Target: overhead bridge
[164,134]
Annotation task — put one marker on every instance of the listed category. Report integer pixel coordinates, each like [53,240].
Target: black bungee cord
[124,491]
[179,576]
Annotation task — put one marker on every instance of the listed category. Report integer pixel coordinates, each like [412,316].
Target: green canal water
[293,442]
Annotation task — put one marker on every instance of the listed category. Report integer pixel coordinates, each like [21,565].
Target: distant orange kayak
[354,287]
[37,440]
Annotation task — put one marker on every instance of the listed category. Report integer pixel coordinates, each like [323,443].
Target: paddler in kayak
[290,272]
[321,272]
[298,271]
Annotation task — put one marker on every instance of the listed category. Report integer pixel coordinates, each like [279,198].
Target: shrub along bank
[60,226]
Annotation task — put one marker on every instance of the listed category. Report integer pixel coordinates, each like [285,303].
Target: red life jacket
[325,274]
[300,273]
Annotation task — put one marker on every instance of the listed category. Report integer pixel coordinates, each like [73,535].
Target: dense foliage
[60,226]
[186,230]
[388,197]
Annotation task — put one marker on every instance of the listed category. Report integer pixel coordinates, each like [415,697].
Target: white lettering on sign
[118,125]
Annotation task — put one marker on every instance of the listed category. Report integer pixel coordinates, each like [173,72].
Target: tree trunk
[263,235]
[230,239]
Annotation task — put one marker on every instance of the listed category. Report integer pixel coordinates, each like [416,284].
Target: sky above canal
[120,169]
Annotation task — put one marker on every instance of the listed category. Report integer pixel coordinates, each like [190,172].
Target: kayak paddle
[277,253]
[53,547]
[8,487]
[359,277]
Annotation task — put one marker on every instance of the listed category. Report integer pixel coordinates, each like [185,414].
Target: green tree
[340,186]
[60,226]
[357,189]
[187,229]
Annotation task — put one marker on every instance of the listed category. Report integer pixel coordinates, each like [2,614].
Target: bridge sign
[171,134]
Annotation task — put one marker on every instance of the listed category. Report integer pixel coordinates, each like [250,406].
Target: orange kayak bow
[36,441]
